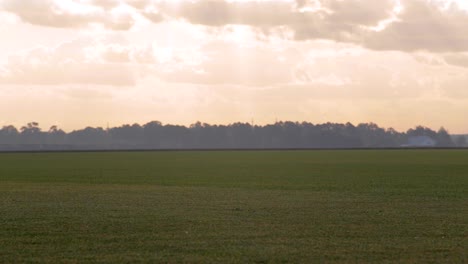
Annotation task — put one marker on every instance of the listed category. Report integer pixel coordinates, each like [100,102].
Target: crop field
[404,206]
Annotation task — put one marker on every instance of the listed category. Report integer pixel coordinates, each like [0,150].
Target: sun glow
[461,3]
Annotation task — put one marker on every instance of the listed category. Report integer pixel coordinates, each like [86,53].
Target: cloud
[105,4]
[86,93]
[454,87]
[68,14]
[405,25]
[334,19]
[226,63]
[117,53]
[327,69]
[65,64]
[460,60]
[358,12]
[153,16]
[429,59]
[279,13]
[221,13]
[321,71]
[424,25]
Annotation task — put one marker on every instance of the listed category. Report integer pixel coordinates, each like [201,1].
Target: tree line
[155,135]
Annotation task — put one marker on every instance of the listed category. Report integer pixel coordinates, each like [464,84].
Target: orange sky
[94,62]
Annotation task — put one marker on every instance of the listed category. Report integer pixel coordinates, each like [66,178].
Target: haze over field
[398,63]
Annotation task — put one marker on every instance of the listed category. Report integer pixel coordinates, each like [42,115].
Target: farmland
[406,206]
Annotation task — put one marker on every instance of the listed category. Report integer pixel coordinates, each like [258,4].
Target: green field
[405,206]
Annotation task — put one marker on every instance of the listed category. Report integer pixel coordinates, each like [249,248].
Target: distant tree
[9,135]
[461,141]
[173,136]
[237,135]
[55,136]
[443,138]
[31,133]
[421,131]
[373,136]
[152,133]
[31,128]
[127,134]
[89,136]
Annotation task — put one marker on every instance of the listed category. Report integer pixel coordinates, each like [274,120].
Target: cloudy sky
[74,63]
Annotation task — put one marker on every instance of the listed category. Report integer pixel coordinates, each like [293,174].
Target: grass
[407,206]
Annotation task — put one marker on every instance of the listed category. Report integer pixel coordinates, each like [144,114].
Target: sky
[78,63]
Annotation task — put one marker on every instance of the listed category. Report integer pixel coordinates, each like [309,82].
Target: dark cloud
[51,14]
[460,60]
[424,25]
[106,4]
[421,25]
[153,16]
[220,13]
[358,12]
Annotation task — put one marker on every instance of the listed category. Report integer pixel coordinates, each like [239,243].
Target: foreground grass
[310,206]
